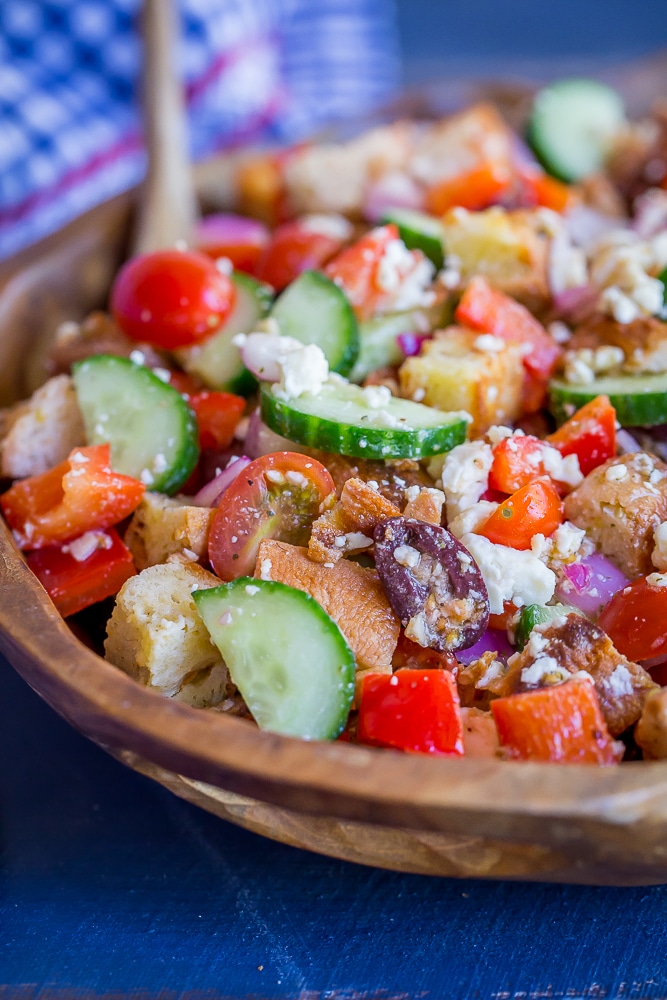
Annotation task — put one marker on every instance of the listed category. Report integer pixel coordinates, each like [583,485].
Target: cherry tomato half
[276,496]
[295,247]
[171,299]
[636,620]
[535,508]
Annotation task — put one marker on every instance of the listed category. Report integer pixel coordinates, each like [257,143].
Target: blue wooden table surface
[109,885]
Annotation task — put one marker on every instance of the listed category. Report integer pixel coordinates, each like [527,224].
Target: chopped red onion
[209,495]
[226,227]
[650,213]
[410,342]
[494,640]
[590,584]
[576,303]
[626,444]
[392,190]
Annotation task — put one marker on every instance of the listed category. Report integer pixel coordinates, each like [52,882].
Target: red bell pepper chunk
[475,189]
[563,724]
[590,434]
[78,495]
[295,247]
[355,269]
[414,710]
[636,620]
[485,308]
[539,188]
[75,583]
[534,509]
[218,415]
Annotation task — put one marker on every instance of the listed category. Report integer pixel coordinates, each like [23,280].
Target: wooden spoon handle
[168,208]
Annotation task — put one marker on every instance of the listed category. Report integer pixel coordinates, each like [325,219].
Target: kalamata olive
[432,583]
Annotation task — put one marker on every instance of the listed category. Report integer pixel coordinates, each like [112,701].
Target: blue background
[110,885]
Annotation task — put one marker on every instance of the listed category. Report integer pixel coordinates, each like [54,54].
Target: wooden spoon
[168,207]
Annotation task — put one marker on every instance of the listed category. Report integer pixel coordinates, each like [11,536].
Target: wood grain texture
[471,817]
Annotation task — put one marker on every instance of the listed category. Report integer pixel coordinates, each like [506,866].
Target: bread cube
[164,526]
[156,635]
[456,371]
[510,249]
[619,505]
[41,432]
[461,143]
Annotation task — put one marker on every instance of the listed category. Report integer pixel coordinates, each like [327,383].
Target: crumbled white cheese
[377,396]
[296,478]
[411,493]
[543,666]
[472,518]
[488,342]
[510,574]
[619,267]
[86,545]
[356,540]
[404,278]
[406,555]
[303,370]
[659,557]
[465,475]
[562,469]
[251,589]
[619,683]
[336,226]
[583,365]
[138,357]
[657,580]
[495,669]
[559,332]
[615,473]
[265,569]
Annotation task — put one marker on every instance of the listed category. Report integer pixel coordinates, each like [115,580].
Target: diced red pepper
[485,308]
[636,620]
[590,434]
[295,247]
[563,724]
[78,495]
[475,189]
[539,188]
[74,584]
[218,415]
[355,269]
[413,710]
[534,509]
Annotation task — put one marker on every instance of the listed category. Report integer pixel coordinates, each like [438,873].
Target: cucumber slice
[288,658]
[152,431]
[377,337]
[639,400]
[315,311]
[340,419]
[217,361]
[663,278]
[538,614]
[419,232]
[571,126]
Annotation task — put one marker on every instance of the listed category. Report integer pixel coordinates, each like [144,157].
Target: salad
[386,461]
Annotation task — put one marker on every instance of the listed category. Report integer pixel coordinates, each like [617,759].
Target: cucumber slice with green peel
[419,232]
[539,614]
[287,657]
[315,311]
[663,278]
[377,337]
[341,418]
[639,400]
[152,431]
[217,361]
[572,124]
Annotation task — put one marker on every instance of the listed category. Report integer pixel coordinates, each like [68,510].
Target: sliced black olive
[432,583]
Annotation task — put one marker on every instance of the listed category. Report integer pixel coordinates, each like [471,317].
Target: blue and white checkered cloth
[254,69]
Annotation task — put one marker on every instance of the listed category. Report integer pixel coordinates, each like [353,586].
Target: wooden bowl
[437,816]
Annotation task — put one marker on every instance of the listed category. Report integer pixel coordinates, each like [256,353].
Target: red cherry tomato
[535,508]
[171,298]
[276,496]
[295,247]
[636,620]
[218,415]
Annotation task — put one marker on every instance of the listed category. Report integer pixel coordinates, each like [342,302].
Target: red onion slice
[392,190]
[228,228]
[209,495]
[494,640]
[590,584]
[410,342]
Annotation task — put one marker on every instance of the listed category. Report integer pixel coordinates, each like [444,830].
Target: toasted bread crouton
[651,730]
[460,143]
[164,526]
[334,177]
[156,635]
[480,735]
[566,646]
[351,595]
[510,249]
[643,341]
[456,371]
[620,510]
[97,334]
[426,506]
[42,431]
[391,477]
[349,525]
